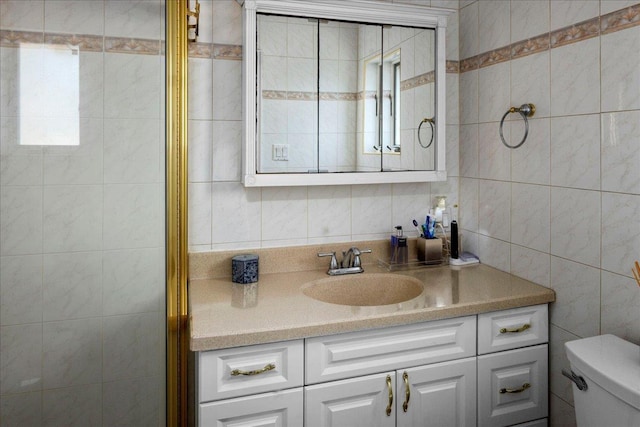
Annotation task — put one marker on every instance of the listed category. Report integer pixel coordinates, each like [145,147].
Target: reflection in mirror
[287,86]
[337,96]
[305,90]
[382,104]
[416,96]
[340,87]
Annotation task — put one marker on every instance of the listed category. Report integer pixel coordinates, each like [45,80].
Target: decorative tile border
[576,33]
[137,46]
[453,67]
[494,57]
[469,64]
[338,96]
[227,51]
[200,50]
[605,24]
[283,95]
[86,42]
[14,38]
[422,79]
[620,20]
[530,46]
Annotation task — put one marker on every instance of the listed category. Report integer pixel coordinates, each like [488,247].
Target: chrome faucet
[350,263]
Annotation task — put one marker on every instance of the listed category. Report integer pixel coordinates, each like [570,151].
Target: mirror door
[338,96]
[345,97]
[287,87]
[409,93]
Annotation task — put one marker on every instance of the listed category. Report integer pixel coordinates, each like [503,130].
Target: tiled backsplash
[563,210]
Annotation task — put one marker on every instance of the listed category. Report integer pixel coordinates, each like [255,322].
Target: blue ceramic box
[244,268]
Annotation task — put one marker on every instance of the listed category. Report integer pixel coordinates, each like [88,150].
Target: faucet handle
[356,258]
[334,262]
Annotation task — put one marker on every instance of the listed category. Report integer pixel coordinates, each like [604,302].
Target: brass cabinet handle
[515,390]
[515,330]
[390,395]
[407,392]
[267,368]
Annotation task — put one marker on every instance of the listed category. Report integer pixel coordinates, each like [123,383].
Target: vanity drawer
[249,370]
[513,386]
[280,408]
[368,352]
[508,329]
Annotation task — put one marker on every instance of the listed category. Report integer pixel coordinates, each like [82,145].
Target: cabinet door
[442,394]
[281,408]
[365,401]
[513,386]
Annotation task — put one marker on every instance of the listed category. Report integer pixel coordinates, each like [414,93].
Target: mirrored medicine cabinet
[342,92]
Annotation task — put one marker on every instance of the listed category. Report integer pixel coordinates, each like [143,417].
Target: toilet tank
[611,368]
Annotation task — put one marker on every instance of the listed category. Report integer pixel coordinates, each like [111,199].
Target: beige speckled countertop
[223,314]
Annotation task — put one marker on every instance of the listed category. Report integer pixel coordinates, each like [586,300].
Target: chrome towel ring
[525,110]
[431,122]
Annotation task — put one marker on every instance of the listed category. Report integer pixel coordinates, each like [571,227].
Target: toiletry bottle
[395,240]
[441,206]
[454,239]
[403,251]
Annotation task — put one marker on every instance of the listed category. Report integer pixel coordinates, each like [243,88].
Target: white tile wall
[72,285]
[72,406]
[574,68]
[569,12]
[493,24]
[82,231]
[22,409]
[619,151]
[574,202]
[620,71]
[529,18]
[84,17]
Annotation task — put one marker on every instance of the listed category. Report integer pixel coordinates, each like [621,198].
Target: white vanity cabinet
[513,366]
[256,385]
[484,370]
[440,394]
[419,388]
[362,401]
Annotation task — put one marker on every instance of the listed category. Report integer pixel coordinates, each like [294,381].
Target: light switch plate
[280,152]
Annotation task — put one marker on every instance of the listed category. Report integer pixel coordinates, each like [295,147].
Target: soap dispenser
[399,248]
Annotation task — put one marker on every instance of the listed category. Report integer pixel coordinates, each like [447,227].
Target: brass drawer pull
[515,330]
[390,396]
[267,368]
[515,390]
[407,392]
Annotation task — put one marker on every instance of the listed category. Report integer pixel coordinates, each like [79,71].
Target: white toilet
[610,367]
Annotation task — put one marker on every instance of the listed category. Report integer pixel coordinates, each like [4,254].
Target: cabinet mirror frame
[363,11]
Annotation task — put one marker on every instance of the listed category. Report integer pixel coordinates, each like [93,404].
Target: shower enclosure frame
[176,120]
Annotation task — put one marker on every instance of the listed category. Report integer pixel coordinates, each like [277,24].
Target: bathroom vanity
[470,350]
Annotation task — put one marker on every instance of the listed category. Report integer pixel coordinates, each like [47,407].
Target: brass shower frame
[176,59]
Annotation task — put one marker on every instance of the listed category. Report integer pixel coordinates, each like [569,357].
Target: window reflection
[49,90]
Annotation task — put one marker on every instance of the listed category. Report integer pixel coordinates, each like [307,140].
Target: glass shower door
[82,206]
